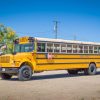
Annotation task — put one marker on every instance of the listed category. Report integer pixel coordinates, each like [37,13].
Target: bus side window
[56,47]
[90,49]
[74,48]
[41,47]
[63,48]
[85,49]
[98,49]
[80,49]
[69,48]
[95,49]
[49,47]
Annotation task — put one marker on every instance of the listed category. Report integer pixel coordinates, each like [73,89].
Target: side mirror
[1,53]
[14,53]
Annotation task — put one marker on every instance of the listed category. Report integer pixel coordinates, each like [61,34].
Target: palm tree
[1,33]
[7,36]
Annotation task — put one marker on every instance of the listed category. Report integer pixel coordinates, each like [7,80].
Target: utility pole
[56,28]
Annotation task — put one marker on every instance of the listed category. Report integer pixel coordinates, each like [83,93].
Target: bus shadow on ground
[54,76]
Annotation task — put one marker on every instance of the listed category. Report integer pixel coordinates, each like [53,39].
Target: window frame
[71,48]
[66,45]
[37,47]
[52,47]
[96,50]
[56,47]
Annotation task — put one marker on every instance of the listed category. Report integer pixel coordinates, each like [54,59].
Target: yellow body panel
[66,61]
[40,62]
[6,60]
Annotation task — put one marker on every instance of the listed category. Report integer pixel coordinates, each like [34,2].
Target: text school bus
[40,54]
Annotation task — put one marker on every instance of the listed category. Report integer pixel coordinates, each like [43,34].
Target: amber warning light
[23,40]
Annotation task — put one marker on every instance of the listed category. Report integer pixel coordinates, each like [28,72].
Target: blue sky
[35,18]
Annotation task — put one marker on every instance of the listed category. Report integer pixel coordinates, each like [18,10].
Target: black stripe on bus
[97,62]
[97,54]
[68,58]
[63,63]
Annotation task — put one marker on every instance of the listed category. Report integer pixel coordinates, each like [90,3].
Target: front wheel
[5,76]
[25,73]
[91,70]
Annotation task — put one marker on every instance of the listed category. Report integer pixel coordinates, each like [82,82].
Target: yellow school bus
[33,54]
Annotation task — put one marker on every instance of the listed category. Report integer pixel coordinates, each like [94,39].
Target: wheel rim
[92,69]
[26,73]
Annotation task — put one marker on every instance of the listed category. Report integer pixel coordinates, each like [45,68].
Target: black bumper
[9,70]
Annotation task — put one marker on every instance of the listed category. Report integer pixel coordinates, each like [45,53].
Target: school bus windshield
[29,47]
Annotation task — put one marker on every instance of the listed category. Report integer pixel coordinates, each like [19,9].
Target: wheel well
[27,63]
[92,63]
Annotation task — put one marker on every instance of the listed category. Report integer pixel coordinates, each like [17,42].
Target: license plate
[3,69]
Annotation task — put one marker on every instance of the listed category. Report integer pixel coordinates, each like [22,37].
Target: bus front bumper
[9,70]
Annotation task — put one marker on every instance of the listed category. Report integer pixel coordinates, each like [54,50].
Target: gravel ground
[52,85]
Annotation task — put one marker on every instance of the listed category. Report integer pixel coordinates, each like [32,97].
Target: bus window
[98,49]
[49,47]
[85,49]
[69,48]
[80,49]
[56,47]
[41,47]
[95,49]
[17,48]
[63,48]
[74,48]
[90,49]
[26,47]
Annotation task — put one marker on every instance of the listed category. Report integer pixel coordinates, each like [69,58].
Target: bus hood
[6,60]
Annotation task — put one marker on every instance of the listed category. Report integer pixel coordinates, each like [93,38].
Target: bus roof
[65,41]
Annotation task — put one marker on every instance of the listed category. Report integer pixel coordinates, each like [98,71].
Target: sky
[77,19]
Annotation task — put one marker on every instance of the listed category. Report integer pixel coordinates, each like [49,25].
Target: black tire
[25,73]
[91,70]
[72,72]
[5,76]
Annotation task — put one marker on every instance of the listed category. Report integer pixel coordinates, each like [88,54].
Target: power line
[32,32]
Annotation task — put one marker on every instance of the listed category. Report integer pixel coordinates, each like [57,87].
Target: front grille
[4,59]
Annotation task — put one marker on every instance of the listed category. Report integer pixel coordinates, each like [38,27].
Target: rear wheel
[91,70]
[73,71]
[5,76]
[25,73]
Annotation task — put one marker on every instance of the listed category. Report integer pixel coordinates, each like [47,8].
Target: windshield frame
[28,47]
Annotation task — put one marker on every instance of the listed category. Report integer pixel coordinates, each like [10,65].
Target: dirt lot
[52,85]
